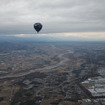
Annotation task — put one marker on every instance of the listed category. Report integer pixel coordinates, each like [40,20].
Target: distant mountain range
[43,39]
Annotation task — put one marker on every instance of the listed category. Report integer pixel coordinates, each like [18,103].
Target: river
[61,56]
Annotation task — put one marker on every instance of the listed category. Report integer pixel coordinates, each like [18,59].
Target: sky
[62,19]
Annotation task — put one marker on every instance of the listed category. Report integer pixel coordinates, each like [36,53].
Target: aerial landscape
[52,73]
[52,52]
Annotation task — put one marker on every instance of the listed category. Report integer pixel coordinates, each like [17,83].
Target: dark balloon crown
[37,26]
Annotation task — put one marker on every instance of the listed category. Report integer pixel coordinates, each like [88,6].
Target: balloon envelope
[37,26]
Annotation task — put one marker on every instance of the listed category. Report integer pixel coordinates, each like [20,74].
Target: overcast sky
[57,16]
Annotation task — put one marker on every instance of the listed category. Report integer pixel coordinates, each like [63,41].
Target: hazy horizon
[62,20]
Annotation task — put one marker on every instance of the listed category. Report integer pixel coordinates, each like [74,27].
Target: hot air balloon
[37,27]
